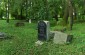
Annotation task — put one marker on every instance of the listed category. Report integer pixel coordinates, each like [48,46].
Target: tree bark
[70,14]
[26,9]
[7,11]
[21,13]
[84,10]
[65,17]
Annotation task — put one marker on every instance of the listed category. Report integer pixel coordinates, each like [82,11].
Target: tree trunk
[56,17]
[74,14]
[26,9]
[1,14]
[21,13]
[7,11]
[45,10]
[84,7]
[65,17]
[70,14]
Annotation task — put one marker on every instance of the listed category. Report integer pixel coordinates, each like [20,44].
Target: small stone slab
[60,37]
[2,35]
[39,43]
[19,24]
[51,35]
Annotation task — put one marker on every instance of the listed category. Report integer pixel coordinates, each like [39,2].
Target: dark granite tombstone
[41,30]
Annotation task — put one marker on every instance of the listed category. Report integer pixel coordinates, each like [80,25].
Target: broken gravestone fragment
[18,24]
[2,35]
[39,43]
[5,36]
[61,38]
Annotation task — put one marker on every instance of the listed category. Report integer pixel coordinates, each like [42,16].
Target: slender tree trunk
[46,9]
[1,14]
[56,17]
[63,8]
[84,9]
[74,14]
[70,14]
[7,11]
[65,17]
[26,9]
[21,13]
[30,19]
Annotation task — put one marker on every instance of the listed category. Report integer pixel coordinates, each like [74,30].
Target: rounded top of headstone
[41,23]
[46,21]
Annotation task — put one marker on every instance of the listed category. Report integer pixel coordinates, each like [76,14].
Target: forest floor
[24,38]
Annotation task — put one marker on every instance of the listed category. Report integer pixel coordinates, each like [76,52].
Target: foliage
[45,10]
[41,9]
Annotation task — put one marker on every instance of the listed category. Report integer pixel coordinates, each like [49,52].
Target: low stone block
[39,43]
[2,35]
[61,38]
[18,24]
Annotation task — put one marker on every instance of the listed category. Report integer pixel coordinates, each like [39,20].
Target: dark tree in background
[68,14]
[7,10]
[26,4]
[65,15]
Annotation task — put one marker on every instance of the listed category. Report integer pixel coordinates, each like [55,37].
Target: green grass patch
[23,42]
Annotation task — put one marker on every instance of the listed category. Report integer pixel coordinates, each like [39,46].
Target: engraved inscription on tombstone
[41,30]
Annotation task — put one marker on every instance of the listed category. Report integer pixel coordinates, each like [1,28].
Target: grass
[24,38]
